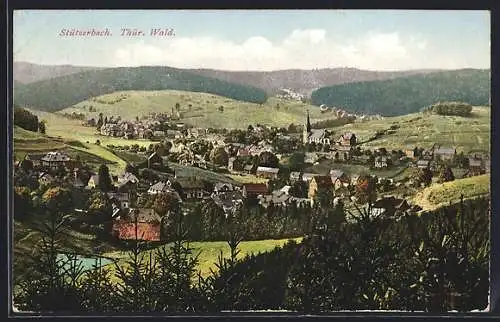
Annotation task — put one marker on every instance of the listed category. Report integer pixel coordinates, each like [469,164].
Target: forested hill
[60,92]
[409,94]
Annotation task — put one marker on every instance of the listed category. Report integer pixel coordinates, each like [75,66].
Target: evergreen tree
[105,184]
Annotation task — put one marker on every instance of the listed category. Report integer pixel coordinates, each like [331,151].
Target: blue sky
[259,39]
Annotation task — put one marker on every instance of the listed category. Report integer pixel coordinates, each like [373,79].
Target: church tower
[307,129]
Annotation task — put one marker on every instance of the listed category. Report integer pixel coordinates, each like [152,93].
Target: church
[310,135]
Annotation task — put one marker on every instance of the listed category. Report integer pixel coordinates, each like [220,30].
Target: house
[381,162]
[192,188]
[389,206]
[155,161]
[243,153]
[142,223]
[311,157]
[476,167]
[76,181]
[248,168]
[307,177]
[318,137]
[231,163]
[347,139]
[339,179]
[422,164]
[55,159]
[221,187]
[445,153]
[409,153]
[93,181]
[127,177]
[267,172]
[487,165]
[286,189]
[36,159]
[253,190]
[228,200]
[276,198]
[159,134]
[160,187]
[45,178]
[294,176]
[121,199]
[320,184]
[344,152]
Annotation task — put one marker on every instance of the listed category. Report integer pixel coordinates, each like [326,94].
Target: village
[257,152]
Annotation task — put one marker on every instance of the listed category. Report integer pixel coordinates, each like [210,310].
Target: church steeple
[308,123]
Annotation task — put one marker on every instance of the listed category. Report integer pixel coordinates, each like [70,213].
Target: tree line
[405,95]
[28,121]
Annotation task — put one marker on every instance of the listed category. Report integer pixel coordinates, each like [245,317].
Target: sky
[259,40]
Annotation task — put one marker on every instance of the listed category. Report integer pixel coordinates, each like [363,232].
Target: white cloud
[304,49]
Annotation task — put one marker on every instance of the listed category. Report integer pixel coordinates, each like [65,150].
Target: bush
[451,108]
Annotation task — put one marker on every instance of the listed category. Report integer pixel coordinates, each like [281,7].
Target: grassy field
[438,195]
[210,251]
[204,108]
[324,167]
[423,130]
[60,126]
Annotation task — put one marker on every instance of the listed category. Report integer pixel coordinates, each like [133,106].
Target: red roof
[145,231]
[255,187]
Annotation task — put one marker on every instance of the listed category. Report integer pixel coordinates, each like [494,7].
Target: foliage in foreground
[434,262]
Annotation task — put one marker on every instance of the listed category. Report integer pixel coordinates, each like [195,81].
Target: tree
[57,200]
[366,188]
[177,106]
[422,176]
[131,169]
[42,127]
[221,108]
[446,174]
[219,156]
[105,183]
[268,159]
[25,119]
[100,206]
[165,202]
[296,161]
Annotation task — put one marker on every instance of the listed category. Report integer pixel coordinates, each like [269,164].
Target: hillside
[409,94]
[203,111]
[441,194]
[26,73]
[424,130]
[303,81]
[27,142]
[61,92]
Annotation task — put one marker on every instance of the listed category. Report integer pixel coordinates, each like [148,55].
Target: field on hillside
[324,167]
[27,142]
[438,195]
[424,130]
[210,251]
[204,108]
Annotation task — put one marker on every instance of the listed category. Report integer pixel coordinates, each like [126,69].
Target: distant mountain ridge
[26,73]
[304,81]
[300,81]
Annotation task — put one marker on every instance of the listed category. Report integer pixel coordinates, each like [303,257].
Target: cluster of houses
[157,126]
[289,94]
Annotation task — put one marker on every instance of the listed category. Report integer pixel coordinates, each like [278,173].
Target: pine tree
[105,184]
